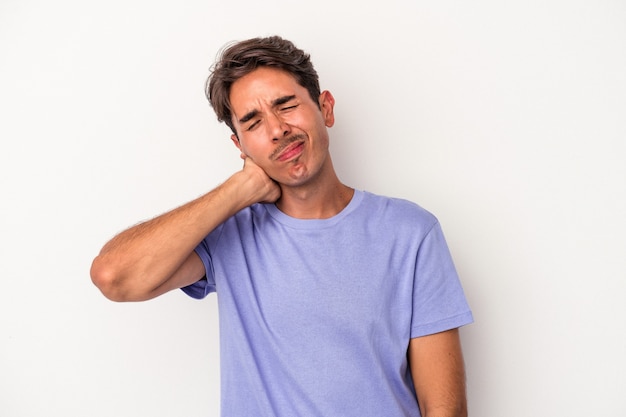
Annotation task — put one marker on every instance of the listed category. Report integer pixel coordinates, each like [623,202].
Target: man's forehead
[260,88]
[266,83]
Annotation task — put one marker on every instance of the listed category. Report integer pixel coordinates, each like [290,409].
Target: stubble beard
[285,143]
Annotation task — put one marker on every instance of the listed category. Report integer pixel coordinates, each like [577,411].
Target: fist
[263,188]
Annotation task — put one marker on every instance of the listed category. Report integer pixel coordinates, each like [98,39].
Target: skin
[438,373]
[282,136]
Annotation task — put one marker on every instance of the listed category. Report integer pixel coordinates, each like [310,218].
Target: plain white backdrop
[507,120]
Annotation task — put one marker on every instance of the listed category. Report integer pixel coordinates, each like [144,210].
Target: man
[333,301]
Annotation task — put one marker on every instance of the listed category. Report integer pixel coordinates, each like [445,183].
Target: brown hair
[243,57]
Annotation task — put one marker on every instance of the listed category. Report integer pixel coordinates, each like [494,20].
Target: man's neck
[318,201]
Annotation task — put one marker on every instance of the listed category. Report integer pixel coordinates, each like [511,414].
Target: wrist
[242,190]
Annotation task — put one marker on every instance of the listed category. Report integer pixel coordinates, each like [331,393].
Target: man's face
[280,127]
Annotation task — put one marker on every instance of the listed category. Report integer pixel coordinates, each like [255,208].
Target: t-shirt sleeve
[206,285]
[439,302]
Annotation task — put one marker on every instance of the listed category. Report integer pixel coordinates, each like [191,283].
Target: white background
[505,119]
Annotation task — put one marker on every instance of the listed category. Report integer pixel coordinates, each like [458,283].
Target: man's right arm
[158,255]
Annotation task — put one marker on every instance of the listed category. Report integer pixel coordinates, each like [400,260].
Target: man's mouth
[291,149]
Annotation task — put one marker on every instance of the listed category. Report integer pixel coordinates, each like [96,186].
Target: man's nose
[278,127]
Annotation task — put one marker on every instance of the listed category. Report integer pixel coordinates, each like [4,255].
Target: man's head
[241,58]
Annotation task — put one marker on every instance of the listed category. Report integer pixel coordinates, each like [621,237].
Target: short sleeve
[439,302]
[206,285]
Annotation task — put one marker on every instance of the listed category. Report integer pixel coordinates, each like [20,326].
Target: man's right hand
[261,187]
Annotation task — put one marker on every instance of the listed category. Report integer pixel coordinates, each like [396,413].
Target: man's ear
[327,104]
[235,140]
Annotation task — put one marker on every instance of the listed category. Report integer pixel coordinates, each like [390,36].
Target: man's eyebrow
[248,116]
[282,100]
[277,102]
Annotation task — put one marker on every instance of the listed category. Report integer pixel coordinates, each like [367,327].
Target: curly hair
[241,58]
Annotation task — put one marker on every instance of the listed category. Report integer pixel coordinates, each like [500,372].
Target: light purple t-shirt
[316,315]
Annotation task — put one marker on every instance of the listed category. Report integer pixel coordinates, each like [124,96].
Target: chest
[339,281]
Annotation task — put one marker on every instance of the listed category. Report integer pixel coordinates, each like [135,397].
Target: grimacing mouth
[286,144]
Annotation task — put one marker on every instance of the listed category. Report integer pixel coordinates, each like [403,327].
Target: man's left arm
[438,373]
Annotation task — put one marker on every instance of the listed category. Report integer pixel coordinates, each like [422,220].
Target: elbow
[107,279]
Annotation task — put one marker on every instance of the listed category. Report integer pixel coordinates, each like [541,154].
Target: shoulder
[241,224]
[249,214]
[398,210]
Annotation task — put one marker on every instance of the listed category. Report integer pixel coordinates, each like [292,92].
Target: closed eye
[284,100]
[253,125]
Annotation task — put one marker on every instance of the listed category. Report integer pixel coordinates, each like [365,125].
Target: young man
[333,301]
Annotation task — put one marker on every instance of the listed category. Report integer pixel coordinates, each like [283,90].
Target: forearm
[139,260]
